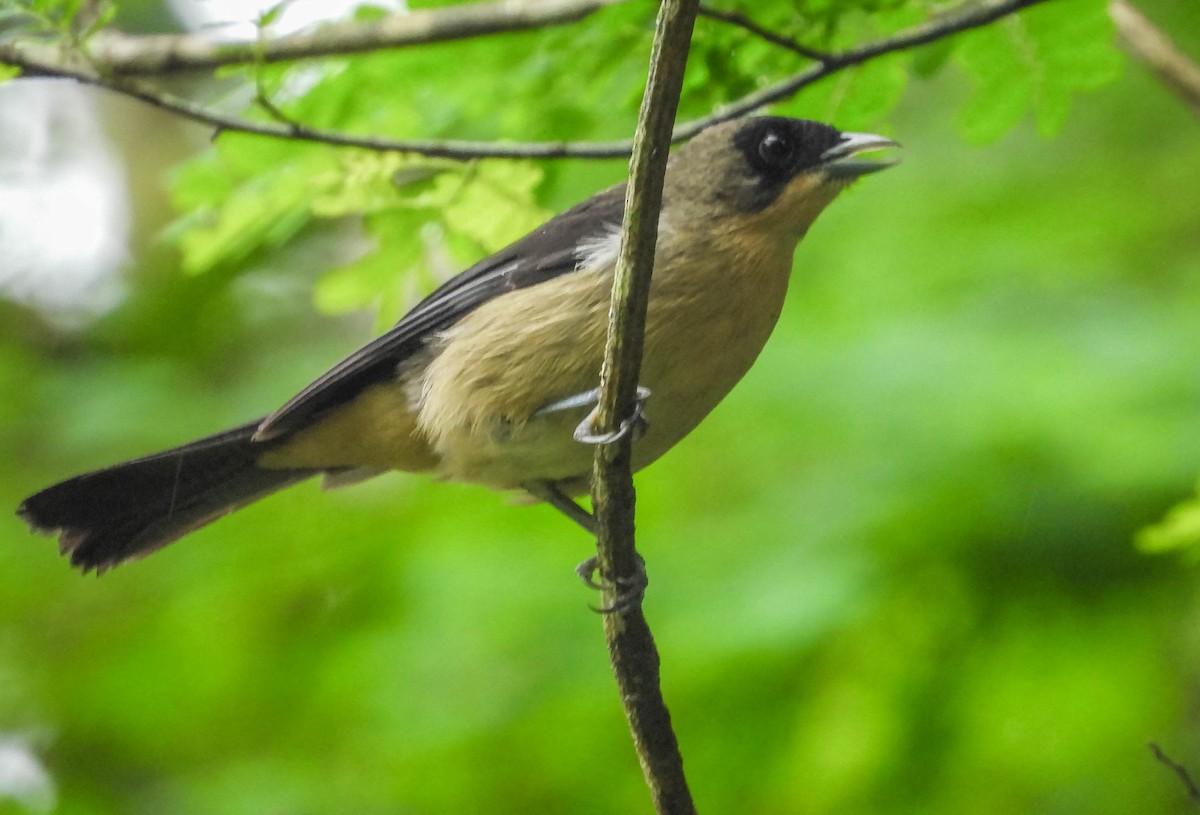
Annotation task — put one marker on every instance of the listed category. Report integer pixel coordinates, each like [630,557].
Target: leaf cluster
[247,198]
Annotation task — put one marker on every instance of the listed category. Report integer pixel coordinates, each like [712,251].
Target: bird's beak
[839,161]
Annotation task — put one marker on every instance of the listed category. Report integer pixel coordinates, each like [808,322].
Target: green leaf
[269,16]
[497,205]
[379,276]
[372,182]
[1035,60]
[929,59]
[437,219]
[855,98]
[1179,530]
[1002,91]
[1074,42]
[254,216]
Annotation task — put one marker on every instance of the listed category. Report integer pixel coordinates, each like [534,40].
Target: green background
[895,572]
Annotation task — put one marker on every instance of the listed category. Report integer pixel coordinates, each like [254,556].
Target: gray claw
[636,424]
[629,591]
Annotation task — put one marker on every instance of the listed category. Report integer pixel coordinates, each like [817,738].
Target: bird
[491,378]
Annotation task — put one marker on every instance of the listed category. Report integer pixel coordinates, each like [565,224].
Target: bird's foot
[628,591]
[635,424]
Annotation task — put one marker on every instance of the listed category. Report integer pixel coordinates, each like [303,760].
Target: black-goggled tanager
[491,378]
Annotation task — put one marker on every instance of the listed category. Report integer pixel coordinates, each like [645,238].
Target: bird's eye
[775,150]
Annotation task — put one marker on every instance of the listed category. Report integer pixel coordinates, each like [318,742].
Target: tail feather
[111,515]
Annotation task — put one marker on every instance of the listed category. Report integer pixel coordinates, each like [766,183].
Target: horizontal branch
[53,63]
[736,18]
[222,123]
[114,52]
[973,15]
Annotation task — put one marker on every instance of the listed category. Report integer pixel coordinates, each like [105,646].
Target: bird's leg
[635,423]
[629,590]
[549,492]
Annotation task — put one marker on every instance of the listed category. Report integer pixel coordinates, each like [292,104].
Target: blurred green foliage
[895,573]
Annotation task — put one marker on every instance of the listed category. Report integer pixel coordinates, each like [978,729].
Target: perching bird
[487,379]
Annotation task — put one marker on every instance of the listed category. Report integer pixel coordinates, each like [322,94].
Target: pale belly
[699,344]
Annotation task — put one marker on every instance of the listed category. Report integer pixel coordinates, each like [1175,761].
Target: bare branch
[1146,42]
[1181,772]
[742,21]
[971,15]
[227,123]
[163,54]
[630,645]
[45,62]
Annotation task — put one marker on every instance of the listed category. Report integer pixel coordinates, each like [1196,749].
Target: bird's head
[769,173]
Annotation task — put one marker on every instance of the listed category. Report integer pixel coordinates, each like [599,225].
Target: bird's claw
[628,591]
[635,424]
[587,573]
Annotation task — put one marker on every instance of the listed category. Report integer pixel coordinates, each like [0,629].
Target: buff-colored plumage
[466,408]
[474,383]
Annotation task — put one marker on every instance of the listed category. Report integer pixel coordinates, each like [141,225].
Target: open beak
[839,161]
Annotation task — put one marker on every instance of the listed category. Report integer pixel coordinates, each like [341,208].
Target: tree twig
[164,54]
[46,64]
[970,15]
[1150,46]
[630,645]
[742,21]
[1180,771]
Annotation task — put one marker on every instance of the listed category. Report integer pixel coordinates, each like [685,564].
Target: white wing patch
[599,251]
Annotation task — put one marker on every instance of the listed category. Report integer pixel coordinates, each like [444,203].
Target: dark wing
[546,253]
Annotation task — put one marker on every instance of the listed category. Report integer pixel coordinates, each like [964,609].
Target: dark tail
[129,510]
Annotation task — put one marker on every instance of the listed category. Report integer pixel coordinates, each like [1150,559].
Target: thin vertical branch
[631,647]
